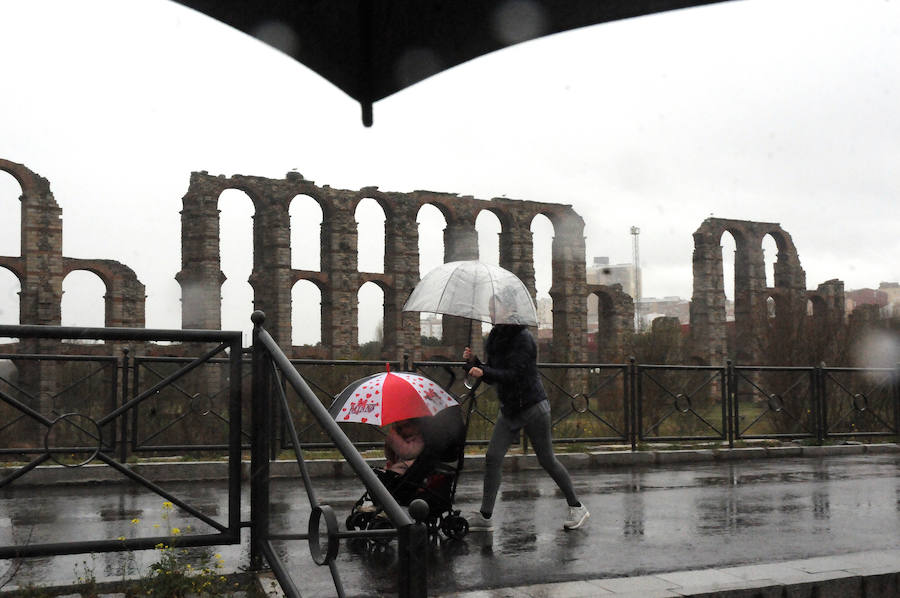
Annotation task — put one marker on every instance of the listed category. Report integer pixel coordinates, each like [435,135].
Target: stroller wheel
[357,520]
[379,523]
[455,527]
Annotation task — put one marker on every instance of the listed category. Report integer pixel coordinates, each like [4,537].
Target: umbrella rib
[493,293]
[444,291]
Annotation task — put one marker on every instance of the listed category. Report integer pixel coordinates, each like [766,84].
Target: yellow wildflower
[176,531]
[135,521]
[167,505]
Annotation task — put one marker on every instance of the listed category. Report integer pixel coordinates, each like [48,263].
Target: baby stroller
[432,477]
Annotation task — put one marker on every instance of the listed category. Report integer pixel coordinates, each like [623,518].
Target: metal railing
[272,372]
[81,431]
[107,409]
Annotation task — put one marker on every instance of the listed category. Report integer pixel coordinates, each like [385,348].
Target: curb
[334,468]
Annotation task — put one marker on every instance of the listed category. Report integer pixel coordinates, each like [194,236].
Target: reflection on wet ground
[643,520]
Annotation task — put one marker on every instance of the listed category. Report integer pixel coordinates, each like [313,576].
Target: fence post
[631,403]
[412,544]
[259,447]
[897,399]
[123,424]
[731,408]
[820,408]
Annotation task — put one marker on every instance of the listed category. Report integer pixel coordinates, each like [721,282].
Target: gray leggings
[536,421]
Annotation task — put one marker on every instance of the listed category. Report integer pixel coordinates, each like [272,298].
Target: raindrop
[416,64]
[519,20]
[278,35]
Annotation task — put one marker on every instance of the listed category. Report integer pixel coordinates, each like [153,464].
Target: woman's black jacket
[512,367]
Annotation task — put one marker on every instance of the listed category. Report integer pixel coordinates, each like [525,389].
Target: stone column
[40,299]
[401,266]
[569,290]
[201,275]
[750,299]
[460,244]
[340,301]
[707,310]
[517,254]
[272,275]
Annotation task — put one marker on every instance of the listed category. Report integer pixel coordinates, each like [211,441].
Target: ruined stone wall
[338,279]
[41,267]
[758,337]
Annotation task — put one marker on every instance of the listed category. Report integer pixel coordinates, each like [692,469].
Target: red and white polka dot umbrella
[387,397]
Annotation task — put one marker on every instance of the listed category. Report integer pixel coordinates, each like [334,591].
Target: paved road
[644,520]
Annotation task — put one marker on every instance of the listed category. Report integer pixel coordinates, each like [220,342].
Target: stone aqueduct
[41,268]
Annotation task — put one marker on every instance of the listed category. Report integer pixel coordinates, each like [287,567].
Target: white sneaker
[478,523]
[577,517]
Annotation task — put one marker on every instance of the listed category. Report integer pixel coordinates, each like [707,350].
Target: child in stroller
[424,457]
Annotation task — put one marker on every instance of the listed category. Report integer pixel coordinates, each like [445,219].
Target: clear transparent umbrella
[474,290]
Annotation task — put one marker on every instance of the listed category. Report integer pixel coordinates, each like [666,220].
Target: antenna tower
[636,265]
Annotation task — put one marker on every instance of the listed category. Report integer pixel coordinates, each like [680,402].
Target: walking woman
[511,365]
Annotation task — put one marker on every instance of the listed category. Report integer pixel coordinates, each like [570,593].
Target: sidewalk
[816,522]
[872,574]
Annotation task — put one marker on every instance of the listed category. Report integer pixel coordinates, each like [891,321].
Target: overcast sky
[771,110]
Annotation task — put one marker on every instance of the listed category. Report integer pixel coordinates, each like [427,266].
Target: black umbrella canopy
[371,49]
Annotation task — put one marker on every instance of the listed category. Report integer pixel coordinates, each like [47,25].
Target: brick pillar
[569,290]
[40,298]
[272,275]
[41,295]
[517,255]
[750,296]
[460,244]
[401,265]
[707,310]
[790,316]
[340,301]
[201,274]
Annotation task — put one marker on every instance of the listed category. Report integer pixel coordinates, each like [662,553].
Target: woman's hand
[476,372]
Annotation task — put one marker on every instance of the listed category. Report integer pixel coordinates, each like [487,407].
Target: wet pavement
[644,520]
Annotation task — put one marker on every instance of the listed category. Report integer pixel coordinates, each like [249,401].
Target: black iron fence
[114,407]
[75,410]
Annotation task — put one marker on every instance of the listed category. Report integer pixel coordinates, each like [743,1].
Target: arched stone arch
[430,226]
[125,296]
[237,214]
[488,227]
[40,263]
[84,300]
[542,235]
[273,276]
[708,337]
[367,287]
[10,215]
[371,234]
[306,217]
[9,294]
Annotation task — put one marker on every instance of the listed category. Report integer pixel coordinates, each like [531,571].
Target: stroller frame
[367,513]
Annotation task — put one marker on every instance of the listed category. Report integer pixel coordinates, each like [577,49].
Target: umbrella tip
[387,367]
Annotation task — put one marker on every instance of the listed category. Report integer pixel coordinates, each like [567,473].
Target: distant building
[673,307]
[432,325]
[858,297]
[892,291]
[545,313]
[602,272]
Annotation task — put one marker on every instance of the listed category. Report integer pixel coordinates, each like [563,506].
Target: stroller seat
[432,477]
